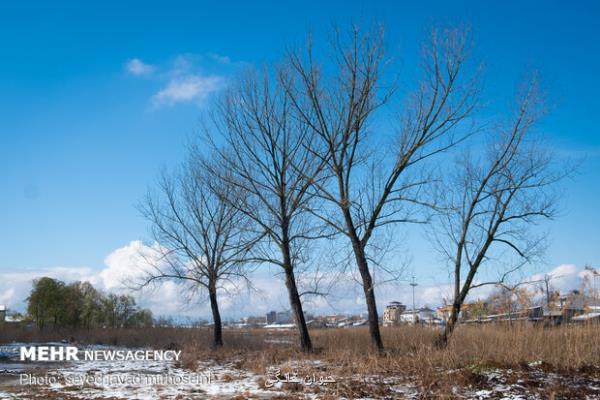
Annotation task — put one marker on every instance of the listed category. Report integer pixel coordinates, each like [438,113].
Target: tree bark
[369,290]
[442,341]
[290,282]
[459,300]
[217,326]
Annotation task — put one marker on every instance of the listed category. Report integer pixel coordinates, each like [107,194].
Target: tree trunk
[290,283]
[442,341]
[459,299]
[367,281]
[369,291]
[217,326]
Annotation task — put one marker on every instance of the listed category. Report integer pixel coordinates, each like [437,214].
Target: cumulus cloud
[7,296]
[184,89]
[435,294]
[137,67]
[268,292]
[16,284]
[188,78]
[121,266]
[124,267]
[441,294]
[185,83]
[126,264]
[563,278]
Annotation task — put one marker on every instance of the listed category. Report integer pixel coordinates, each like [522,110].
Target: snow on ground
[137,379]
[166,380]
[531,383]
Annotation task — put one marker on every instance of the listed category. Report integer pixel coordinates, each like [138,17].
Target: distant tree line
[54,304]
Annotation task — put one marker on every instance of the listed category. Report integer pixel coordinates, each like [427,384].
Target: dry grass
[346,353]
[412,356]
[566,347]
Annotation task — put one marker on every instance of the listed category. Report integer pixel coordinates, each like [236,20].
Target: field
[491,361]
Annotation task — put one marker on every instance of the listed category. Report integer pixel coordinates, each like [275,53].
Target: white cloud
[435,294]
[564,277]
[16,284]
[188,78]
[269,292]
[441,294]
[191,88]
[128,263]
[125,264]
[137,67]
[7,295]
[122,265]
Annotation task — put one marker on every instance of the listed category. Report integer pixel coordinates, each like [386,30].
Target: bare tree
[493,200]
[200,239]
[546,287]
[268,155]
[376,182]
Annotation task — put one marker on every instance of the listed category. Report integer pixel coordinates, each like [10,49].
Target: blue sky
[84,131]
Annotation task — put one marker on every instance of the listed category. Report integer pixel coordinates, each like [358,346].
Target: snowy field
[130,379]
[308,379]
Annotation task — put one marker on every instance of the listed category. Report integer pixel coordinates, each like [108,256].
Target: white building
[423,315]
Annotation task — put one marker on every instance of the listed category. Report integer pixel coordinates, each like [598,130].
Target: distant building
[523,314]
[284,317]
[474,310]
[253,321]
[566,307]
[271,317]
[2,313]
[13,319]
[572,304]
[444,312]
[391,314]
[422,315]
[330,321]
[316,323]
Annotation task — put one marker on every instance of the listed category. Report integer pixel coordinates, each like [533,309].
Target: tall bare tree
[493,200]
[376,180]
[200,239]
[268,155]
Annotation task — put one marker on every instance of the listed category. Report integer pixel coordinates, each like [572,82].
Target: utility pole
[414,284]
